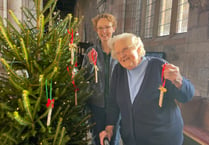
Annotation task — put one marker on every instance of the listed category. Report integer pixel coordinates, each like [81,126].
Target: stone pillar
[3,14]
[3,9]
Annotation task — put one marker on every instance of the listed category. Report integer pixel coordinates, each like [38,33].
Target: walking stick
[106,141]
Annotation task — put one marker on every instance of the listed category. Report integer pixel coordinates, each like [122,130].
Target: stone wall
[190,51]
[197,47]
[127,22]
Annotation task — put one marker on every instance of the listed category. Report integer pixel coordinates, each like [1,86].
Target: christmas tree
[42,92]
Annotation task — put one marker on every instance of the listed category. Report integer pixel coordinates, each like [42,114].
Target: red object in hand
[94,56]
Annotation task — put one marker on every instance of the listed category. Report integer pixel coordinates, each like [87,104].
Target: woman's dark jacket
[105,64]
[144,122]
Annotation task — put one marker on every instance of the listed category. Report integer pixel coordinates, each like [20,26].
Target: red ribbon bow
[49,101]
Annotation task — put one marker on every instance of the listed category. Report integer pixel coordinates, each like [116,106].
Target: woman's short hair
[107,16]
[135,41]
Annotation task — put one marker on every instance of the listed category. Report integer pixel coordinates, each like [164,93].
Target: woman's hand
[92,55]
[172,73]
[108,132]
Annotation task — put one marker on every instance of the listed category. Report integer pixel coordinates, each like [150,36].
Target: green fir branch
[8,137]
[37,66]
[4,106]
[82,121]
[29,16]
[10,70]
[58,51]
[26,102]
[53,74]
[49,4]
[43,115]
[38,5]
[49,18]
[43,128]
[12,31]
[25,52]
[64,90]
[69,16]
[20,104]
[56,114]
[50,68]
[17,86]
[66,109]
[62,136]
[27,39]
[56,59]
[57,92]
[63,26]
[57,130]
[41,29]
[37,105]
[8,41]
[31,69]
[20,119]
[74,24]
[41,85]
[16,20]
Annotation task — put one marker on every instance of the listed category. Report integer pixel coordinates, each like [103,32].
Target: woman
[99,54]
[149,114]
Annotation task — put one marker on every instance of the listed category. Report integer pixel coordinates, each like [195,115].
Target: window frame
[173,22]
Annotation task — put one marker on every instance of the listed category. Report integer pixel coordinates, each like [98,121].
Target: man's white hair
[135,41]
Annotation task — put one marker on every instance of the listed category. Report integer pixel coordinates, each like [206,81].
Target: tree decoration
[50,103]
[72,74]
[72,46]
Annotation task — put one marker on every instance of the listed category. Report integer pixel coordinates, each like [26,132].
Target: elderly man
[145,90]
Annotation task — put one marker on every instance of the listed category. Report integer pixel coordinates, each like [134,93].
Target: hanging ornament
[72,46]
[94,59]
[50,103]
[162,87]
[77,34]
[72,73]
